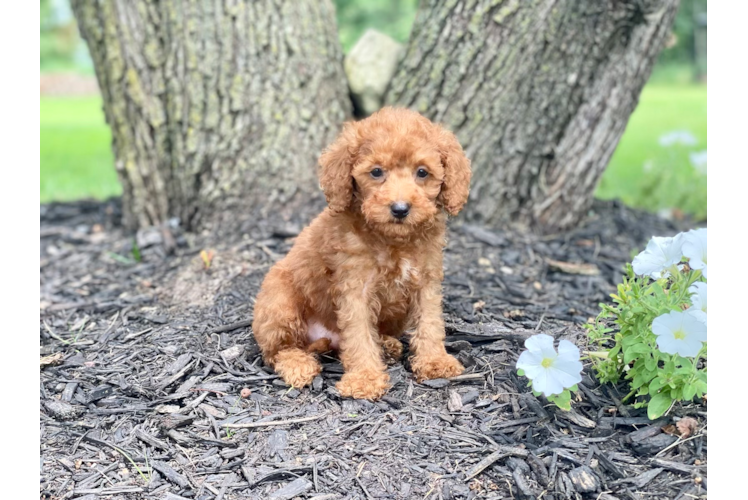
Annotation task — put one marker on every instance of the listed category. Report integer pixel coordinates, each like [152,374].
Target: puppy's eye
[377,173]
[422,173]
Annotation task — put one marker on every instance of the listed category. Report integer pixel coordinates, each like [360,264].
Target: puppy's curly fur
[363,273]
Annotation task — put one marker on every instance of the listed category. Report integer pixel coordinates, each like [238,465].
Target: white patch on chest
[407,272]
[316,331]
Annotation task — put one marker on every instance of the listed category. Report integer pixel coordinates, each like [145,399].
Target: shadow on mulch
[140,396]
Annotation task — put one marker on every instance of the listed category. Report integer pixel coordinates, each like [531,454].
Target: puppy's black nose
[400,209]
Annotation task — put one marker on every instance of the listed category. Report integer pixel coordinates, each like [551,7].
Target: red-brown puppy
[369,267]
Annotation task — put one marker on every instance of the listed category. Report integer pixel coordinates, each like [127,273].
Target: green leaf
[650,363]
[700,387]
[656,385]
[658,405]
[521,372]
[689,391]
[658,292]
[629,341]
[562,400]
[640,348]
[633,351]
[639,380]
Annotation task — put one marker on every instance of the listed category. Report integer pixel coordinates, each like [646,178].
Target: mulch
[151,384]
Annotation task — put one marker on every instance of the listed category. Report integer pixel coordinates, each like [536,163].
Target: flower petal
[660,254]
[547,384]
[667,344]
[666,324]
[529,361]
[645,264]
[567,351]
[698,295]
[690,347]
[541,344]
[698,314]
[694,247]
[566,375]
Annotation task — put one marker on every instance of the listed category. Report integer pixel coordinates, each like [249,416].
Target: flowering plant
[660,314]
[550,373]
[672,179]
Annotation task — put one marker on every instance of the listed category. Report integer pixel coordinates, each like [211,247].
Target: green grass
[76,156]
[77,162]
[717,115]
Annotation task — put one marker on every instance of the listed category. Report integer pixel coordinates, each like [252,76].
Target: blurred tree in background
[185,161]
[538,93]
[62,47]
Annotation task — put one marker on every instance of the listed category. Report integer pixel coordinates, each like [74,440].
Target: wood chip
[170,474]
[292,489]
[502,452]
[585,481]
[454,403]
[687,426]
[51,360]
[573,268]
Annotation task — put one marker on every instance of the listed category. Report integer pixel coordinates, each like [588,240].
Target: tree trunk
[216,106]
[537,91]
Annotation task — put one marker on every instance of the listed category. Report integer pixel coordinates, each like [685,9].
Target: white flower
[664,252]
[550,372]
[677,137]
[696,302]
[693,249]
[679,332]
[698,161]
[660,254]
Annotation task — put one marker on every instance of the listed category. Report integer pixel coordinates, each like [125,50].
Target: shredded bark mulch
[151,384]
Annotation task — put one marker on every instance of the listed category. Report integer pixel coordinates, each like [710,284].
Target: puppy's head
[399,167]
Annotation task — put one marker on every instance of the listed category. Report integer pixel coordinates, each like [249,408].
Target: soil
[151,385]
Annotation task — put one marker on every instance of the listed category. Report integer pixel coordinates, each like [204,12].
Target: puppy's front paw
[365,384]
[439,366]
[393,350]
[296,367]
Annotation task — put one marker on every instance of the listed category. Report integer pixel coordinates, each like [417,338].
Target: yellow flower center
[679,334]
[546,363]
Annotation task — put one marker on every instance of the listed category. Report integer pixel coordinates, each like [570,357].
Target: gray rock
[369,66]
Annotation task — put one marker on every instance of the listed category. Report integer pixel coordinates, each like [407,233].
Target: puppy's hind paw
[393,350]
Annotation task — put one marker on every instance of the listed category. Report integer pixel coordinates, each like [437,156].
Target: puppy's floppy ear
[456,186]
[335,166]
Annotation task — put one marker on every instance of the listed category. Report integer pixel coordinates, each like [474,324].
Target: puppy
[369,268]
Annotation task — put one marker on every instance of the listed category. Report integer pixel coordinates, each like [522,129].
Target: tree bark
[538,92]
[216,106]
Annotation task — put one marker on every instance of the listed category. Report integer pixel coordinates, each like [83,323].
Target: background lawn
[643,173]
[76,155]
[77,162]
